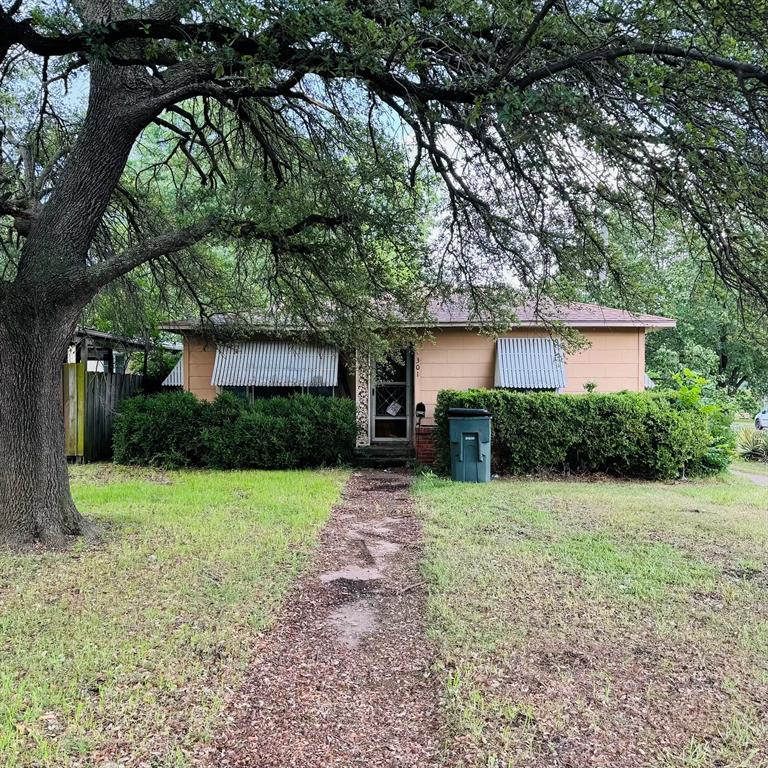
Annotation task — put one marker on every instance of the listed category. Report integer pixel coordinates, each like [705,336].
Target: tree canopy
[716,335]
[332,113]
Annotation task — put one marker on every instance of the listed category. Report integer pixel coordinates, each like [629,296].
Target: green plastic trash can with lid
[470,434]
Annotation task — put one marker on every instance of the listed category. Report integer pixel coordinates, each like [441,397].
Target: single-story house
[396,401]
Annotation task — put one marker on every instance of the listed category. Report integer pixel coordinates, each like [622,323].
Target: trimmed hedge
[626,434]
[161,430]
[178,430]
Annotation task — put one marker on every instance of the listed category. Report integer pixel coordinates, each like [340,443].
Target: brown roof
[575,314]
[456,312]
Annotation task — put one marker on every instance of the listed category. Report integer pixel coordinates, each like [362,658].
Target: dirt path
[756,479]
[342,680]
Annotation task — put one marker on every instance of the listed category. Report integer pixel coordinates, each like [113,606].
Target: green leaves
[176,430]
[509,135]
[625,434]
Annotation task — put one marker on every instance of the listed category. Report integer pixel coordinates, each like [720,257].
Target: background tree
[665,270]
[304,129]
[716,335]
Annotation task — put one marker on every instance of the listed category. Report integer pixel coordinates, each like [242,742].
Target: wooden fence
[90,402]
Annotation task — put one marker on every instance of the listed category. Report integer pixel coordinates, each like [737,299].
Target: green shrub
[752,445]
[224,410]
[284,432]
[220,418]
[256,441]
[162,430]
[175,429]
[696,393]
[627,434]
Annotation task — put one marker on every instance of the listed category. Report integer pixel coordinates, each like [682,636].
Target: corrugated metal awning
[275,364]
[529,363]
[176,377]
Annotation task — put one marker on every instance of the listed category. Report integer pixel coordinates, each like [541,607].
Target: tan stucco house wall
[460,358]
[199,355]
[615,360]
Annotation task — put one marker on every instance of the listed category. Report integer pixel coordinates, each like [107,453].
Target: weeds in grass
[741,744]
[125,651]
[624,621]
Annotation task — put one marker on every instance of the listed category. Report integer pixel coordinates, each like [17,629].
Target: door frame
[408,404]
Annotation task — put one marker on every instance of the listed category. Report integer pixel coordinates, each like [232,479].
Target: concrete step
[384,456]
[386,450]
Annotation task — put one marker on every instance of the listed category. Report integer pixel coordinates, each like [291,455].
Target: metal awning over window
[275,364]
[529,364]
[176,377]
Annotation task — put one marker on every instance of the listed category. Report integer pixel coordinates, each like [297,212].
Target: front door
[391,400]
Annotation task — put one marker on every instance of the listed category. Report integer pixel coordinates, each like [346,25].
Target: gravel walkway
[343,678]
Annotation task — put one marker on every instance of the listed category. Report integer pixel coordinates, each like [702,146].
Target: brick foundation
[424,444]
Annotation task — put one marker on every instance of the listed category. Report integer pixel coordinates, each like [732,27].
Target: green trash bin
[470,434]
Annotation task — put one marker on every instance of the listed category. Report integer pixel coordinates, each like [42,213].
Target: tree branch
[99,275]
[524,40]
[289,55]
[638,48]
[104,272]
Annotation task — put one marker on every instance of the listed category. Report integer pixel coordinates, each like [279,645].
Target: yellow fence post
[74,394]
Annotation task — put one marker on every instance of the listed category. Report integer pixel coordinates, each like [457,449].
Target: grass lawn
[601,624]
[126,650]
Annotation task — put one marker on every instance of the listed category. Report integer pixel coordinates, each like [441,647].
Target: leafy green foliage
[747,401]
[350,113]
[279,432]
[697,393]
[163,430]
[159,364]
[176,429]
[626,434]
[720,334]
[340,237]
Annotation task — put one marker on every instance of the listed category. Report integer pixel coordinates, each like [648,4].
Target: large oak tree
[273,129]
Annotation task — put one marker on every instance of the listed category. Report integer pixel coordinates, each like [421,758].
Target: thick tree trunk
[35,501]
